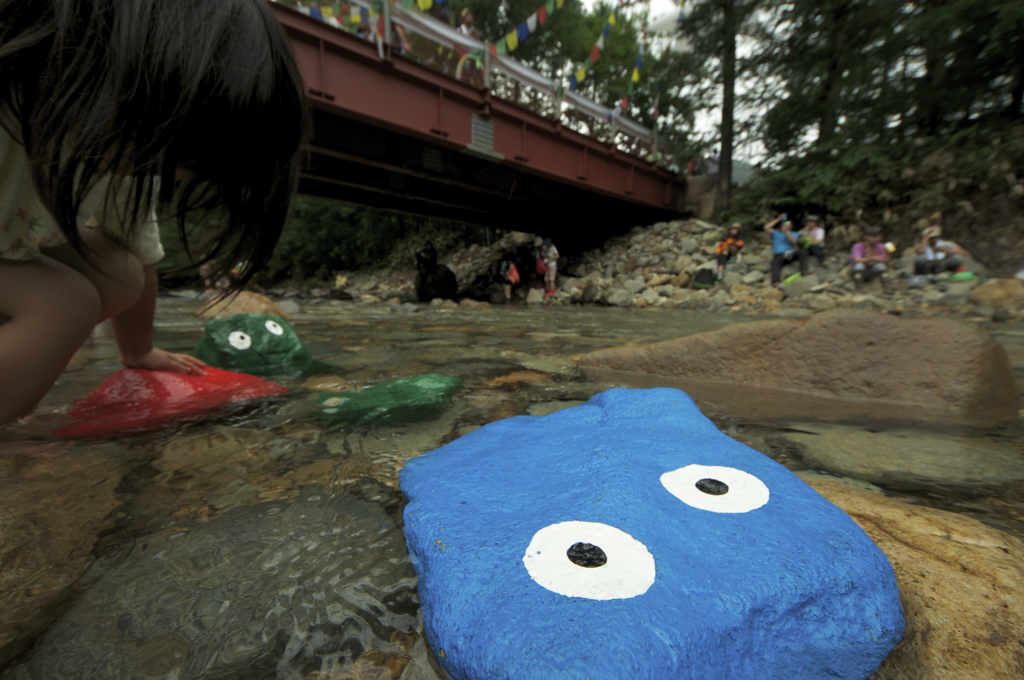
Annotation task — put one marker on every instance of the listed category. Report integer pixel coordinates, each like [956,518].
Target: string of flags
[595,54]
[344,16]
[511,40]
[634,78]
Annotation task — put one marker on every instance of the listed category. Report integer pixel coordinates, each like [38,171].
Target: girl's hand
[157,359]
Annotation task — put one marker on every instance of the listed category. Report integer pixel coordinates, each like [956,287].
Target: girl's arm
[133,332]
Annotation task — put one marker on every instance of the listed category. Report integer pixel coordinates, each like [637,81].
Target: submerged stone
[275,590]
[629,538]
[134,400]
[397,401]
[909,459]
[259,344]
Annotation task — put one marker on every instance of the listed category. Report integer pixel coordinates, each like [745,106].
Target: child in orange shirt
[729,248]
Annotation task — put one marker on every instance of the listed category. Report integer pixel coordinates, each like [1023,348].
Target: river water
[259,544]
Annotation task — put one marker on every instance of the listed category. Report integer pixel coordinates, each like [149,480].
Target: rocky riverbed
[264,545]
[654,266]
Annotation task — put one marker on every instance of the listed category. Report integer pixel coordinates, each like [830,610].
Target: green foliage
[324,237]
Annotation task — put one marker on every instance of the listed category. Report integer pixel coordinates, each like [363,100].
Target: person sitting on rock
[869,258]
[433,280]
[729,248]
[934,254]
[785,247]
[812,238]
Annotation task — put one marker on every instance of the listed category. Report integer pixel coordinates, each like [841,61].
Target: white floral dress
[26,225]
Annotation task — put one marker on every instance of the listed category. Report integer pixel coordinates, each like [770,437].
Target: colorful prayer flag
[531,23]
[512,40]
[522,31]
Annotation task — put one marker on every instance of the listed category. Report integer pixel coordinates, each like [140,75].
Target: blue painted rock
[258,344]
[629,538]
[397,401]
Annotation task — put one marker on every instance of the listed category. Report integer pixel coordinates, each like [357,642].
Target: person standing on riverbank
[109,111]
[785,247]
[550,255]
[729,248]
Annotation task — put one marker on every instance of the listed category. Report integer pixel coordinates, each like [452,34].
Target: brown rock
[1000,294]
[244,302]
[740,289]
[773,294]
[682,280]
[926,367]
[658,280]
[961,583]
[51,510]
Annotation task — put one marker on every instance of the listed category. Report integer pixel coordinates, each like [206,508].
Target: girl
[110,109]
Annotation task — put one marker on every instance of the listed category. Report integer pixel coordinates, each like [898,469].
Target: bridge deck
[393,133]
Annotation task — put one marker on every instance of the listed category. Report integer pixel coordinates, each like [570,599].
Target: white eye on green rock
[589,559]
[240,340]
[716,488]
[274,327]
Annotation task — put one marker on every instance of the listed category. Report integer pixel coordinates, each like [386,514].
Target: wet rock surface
[52,506]
[932,364]
[961,583]
[910,460]
[279,589]
[75,502]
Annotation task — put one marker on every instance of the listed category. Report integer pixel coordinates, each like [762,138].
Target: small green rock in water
[397,401]
[258,344]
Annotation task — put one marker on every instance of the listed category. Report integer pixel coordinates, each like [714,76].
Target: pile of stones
[655,266]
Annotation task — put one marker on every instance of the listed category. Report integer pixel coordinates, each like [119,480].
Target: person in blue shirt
[785,247]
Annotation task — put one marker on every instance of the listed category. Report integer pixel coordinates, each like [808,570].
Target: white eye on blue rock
[240,340]
[274,327]
[716,488]
[589,559]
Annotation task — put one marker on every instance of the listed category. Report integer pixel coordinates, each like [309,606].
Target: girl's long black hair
[201,98]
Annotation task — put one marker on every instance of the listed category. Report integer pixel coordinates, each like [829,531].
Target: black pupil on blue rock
[712,486]
[586,555]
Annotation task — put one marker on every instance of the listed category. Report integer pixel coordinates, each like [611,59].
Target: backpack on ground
[705,278]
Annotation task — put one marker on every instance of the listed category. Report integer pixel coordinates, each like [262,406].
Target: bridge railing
[436,44]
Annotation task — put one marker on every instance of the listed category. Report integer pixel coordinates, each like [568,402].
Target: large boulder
[1000,294]
[923,368]
[962,586]
[589,543]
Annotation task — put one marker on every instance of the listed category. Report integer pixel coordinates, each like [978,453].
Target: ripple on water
[274,590]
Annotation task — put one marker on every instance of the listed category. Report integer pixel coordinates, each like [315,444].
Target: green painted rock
[397,401]
[258,344]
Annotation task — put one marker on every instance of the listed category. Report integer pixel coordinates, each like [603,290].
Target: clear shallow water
[257,544]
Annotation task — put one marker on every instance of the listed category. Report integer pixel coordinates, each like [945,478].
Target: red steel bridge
[395,132]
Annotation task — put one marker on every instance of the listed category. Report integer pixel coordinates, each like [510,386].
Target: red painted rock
[134,400]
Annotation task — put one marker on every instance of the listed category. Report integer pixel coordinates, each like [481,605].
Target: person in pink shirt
[869,259]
